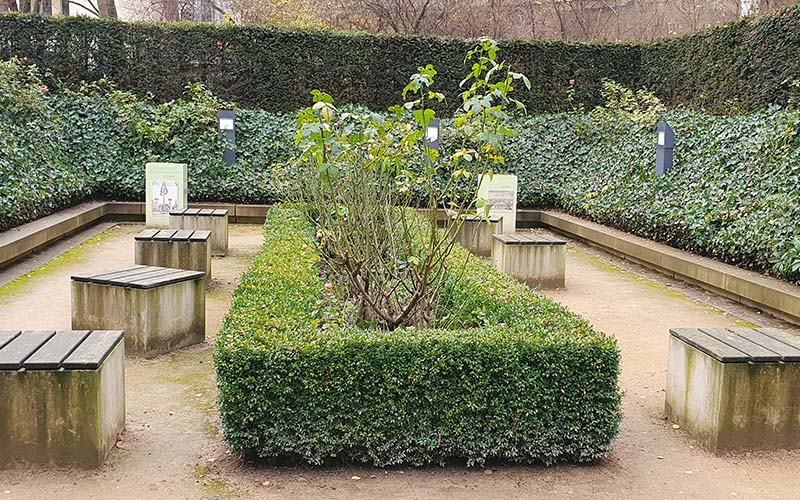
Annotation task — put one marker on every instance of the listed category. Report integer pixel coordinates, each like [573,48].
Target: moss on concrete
[666,291]
[68,258]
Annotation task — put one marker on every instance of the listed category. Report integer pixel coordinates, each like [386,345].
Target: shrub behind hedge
[534,384]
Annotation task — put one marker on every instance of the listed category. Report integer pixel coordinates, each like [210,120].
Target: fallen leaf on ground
[356,478]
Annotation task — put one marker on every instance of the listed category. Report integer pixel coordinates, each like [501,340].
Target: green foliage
[738,67]
[534,384]
[359,174]
[742,66]
[276,69]
[733,194]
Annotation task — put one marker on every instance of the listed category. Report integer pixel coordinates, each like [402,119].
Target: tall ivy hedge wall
[267,68]
[741,66]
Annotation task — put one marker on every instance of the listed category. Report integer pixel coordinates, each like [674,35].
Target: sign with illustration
[500,191]
[165,191]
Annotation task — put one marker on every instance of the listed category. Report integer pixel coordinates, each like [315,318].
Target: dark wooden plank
[18,350]
[56,350]
[709,345]
[126,281]
[191,211]
[178,212]
[786,352]
[93,350]
[200,235]
[7,336]
[164,235]
[182,235]
[220,212]
[146,235]
[757,353]
[783,336]
[206,212]
[166,279]
[98,278]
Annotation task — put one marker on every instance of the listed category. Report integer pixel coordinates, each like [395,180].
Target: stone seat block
[537,260]
[160,309]
[735,388]
[210,219]
[63,397]
[178,249]
[475,233]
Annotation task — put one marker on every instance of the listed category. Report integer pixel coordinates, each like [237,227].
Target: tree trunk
[8,5]
[107,8]
[24,6]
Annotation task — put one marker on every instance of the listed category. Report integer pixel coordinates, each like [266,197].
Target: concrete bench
[476,233]
[537,260]
[210,219]
[735,389]
[160,309]
[63,396]
[184,249]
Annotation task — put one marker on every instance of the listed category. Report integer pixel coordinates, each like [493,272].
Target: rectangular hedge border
[535,384]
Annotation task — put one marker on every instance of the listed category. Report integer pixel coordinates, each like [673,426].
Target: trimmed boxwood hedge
[534,383]
[275,69]
[742,66]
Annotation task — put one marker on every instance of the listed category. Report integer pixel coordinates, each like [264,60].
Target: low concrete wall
[774,296]
[771,295]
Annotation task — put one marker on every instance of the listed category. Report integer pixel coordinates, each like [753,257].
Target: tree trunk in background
[107,8]
[24,5]
[8,5]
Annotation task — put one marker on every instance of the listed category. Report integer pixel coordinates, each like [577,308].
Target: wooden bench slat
[182,235]
[164,235]
[18,350]
[709,345]
[757,353]
[7,336]
[53,353]
[154,273]
[146,235]
[200,235]
[782,336]
[786,352]
[123,275]
[91,353]
[166,279]
[98,278]
[527,239]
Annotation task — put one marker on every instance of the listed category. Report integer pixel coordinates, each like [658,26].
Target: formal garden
[252,262]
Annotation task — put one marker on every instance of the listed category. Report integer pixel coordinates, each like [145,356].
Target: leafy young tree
[362,173]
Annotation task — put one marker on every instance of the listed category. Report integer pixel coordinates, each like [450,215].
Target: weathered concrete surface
[62,418]
[475,234]
[772,295]
[155,321]
[218,225]
[733,406]
[538,266]
[172,448]
[193,255]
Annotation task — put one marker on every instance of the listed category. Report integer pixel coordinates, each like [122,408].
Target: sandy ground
[172,447]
